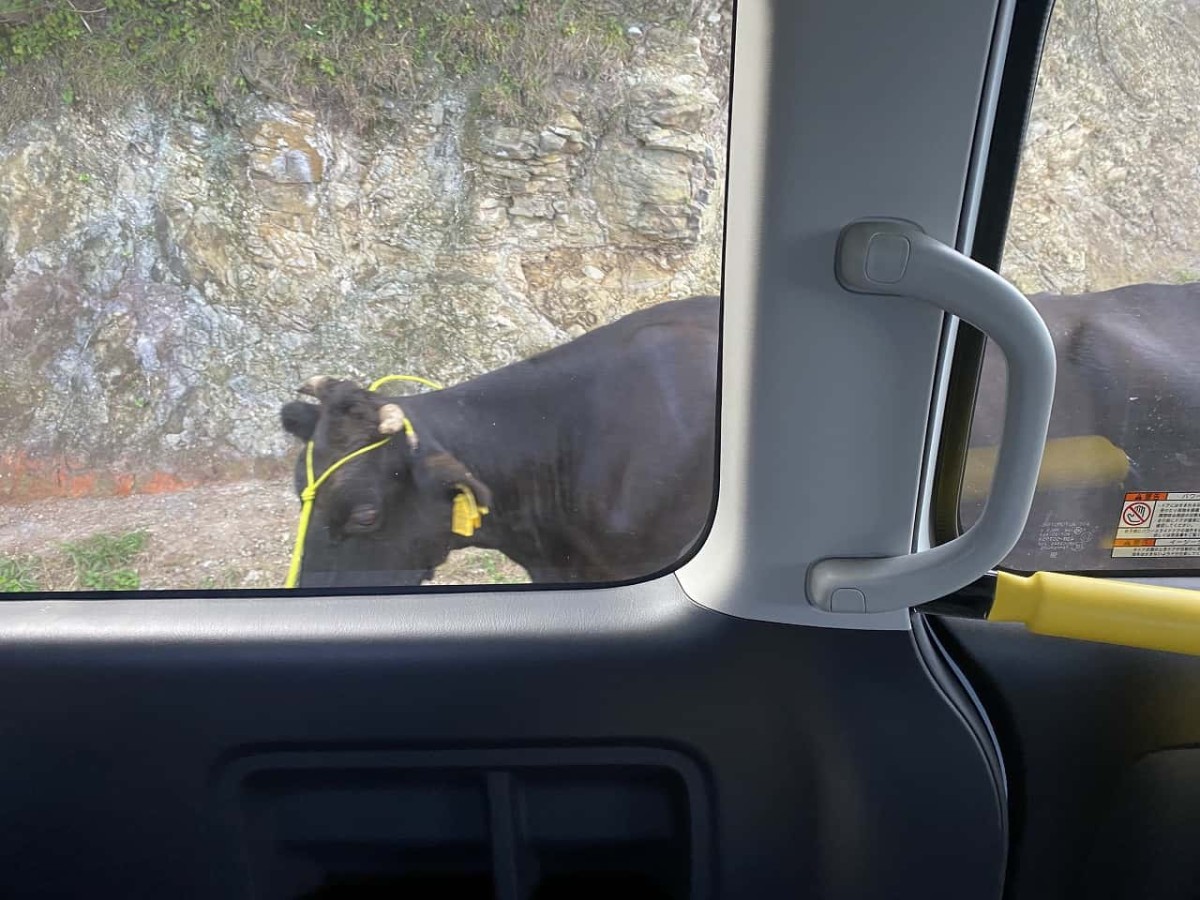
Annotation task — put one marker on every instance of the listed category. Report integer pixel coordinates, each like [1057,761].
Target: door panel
[1081,725]
[826,763]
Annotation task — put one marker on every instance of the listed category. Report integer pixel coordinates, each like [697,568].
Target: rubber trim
[1031,18]
[958,694]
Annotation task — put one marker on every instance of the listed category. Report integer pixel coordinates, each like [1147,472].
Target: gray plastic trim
[156,626]
[898,259]
[825,403]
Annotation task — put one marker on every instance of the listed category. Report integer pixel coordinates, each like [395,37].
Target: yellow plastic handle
[1085,461]
[1100,609]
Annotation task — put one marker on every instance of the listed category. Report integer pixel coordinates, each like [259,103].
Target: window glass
[224,224]
[1105,239]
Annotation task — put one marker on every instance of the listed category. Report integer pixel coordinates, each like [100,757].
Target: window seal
[1031,19]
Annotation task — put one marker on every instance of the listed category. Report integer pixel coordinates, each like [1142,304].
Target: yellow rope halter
[415,379]
[467,515]
[307,496]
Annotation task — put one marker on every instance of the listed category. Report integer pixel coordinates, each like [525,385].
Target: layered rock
[165,282]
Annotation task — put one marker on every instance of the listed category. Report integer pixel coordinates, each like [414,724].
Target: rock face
[165,283]
[1109,190]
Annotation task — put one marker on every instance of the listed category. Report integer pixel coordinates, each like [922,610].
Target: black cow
[596,459]
[1129,371]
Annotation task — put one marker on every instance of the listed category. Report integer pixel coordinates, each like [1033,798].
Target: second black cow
[1128,372]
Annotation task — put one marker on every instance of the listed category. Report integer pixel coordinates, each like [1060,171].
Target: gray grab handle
[897,258]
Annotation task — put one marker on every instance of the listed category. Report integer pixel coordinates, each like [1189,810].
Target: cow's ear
[445,474]
[300,418]
[316,386]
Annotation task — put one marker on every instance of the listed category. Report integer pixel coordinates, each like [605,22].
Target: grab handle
[898,259]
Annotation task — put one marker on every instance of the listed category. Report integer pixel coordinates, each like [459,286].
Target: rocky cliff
[168,277]
[1109,189]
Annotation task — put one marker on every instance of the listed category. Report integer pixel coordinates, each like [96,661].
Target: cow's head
[384,517]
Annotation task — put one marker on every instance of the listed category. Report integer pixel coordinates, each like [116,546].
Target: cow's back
[1127,371]
[645,472]
[603,343]
[600,452]
[1121,354]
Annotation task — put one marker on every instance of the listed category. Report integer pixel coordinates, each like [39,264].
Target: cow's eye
[363,518]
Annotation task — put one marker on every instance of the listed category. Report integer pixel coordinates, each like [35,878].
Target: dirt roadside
[236,535]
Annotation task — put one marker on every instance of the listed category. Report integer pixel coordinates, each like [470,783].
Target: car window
[1103,239]
[359,294]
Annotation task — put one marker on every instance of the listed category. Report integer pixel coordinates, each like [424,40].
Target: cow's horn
[391,419]
[313,386]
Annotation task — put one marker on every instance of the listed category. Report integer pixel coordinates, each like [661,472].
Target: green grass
[19,574]
[491,568]
[102,561]
[204,54]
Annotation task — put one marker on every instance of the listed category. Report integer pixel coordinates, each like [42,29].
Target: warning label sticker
[1158,524]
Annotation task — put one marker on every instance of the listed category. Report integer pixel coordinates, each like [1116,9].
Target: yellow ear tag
[466,515]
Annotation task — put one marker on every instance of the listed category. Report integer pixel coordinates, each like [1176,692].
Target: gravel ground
[222,536]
